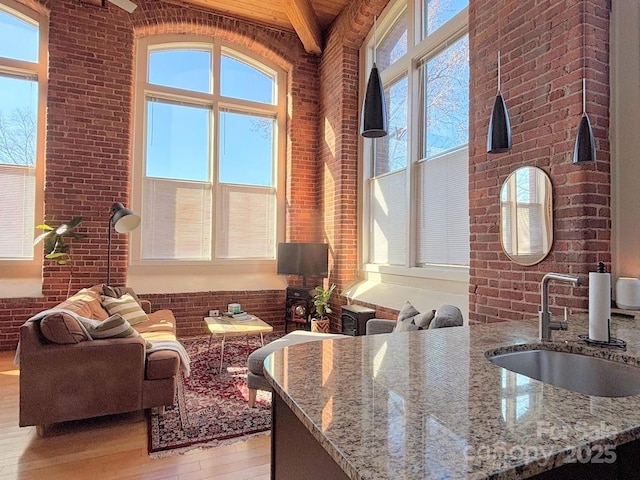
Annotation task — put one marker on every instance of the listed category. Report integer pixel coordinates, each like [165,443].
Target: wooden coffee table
[230,327]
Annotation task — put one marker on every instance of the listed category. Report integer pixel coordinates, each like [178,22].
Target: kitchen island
[429,404]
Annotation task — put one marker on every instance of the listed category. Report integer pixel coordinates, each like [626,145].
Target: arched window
[208,154]
[23,63]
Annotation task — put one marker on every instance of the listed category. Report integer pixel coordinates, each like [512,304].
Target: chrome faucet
[546,323]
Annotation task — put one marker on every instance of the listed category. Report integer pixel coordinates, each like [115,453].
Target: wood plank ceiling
[308,18]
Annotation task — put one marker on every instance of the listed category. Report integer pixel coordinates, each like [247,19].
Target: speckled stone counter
[429,404]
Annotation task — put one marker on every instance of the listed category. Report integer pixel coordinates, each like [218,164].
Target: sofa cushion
[113,327]
[447,316]
[62,329]
[125,306]
[407,319]
[85,303]
[117,292]
[160,326]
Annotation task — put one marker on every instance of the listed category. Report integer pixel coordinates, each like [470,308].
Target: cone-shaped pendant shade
[499,136]
[584,149]
[374,110]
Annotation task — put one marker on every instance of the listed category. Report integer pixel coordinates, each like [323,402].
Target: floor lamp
[124,221]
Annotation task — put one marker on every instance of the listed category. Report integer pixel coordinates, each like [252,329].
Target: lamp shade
[123,219]
[499,135]
[584,149]
[374,110]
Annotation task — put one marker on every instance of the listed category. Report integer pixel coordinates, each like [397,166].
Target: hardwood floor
[110,448]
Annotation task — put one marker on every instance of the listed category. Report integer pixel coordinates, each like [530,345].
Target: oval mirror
[526,216]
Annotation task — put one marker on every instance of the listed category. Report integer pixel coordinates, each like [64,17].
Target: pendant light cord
[584,61]
[498,71]
[375,39]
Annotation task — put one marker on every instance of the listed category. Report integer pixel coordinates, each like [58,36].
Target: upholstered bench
[255,374]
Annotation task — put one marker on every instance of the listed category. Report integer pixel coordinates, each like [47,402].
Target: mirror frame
[543,180]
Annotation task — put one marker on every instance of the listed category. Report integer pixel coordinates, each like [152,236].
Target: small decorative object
[321,306]
[55,244]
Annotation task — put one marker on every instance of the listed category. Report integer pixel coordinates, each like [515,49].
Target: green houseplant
[322,308]
[56,246]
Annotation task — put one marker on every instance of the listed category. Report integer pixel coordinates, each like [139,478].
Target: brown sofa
[89,378]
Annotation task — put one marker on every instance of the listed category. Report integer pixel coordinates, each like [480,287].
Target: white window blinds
[443,209]
[17,197]
[388,219]
[176,220]
[247,227]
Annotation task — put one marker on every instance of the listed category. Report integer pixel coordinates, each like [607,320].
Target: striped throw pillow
[113,327]
[125,306]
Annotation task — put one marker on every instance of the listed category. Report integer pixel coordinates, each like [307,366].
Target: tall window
[210,118]
[417,176]
[22,82]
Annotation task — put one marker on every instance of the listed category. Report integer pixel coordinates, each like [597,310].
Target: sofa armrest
[380,325]
[145,305]
[82,380]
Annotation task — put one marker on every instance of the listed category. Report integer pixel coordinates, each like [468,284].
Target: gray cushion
[410,319]
[256,359]
[405,326]
[447,316]
[408,312]
[423,320]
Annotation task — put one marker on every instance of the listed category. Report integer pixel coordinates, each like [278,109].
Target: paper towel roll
[599,306]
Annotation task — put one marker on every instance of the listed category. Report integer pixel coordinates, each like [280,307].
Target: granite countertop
[429,404]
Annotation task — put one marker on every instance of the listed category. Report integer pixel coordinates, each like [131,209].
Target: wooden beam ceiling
[305,23]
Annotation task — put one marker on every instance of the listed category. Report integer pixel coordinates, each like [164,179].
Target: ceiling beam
[306,24]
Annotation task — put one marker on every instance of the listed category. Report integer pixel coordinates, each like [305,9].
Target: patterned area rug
[211,408]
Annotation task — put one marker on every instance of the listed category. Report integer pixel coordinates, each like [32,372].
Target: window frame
[418,51]
[217,103]
[22,268]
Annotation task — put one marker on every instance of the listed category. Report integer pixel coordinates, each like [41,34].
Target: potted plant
[55,243]
[321,306]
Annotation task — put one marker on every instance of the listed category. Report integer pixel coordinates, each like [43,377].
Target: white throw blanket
[156,346]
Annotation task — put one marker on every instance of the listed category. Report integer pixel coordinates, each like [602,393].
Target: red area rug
[211,408]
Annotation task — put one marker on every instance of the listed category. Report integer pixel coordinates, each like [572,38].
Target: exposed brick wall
[541,44]
[88,143]
[339,130]
[191,308]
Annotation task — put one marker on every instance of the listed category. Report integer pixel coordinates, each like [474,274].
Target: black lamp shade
[374,110]
[123,219]
[499,135]
[584,149]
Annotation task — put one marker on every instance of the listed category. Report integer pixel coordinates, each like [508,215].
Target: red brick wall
[88,144]
[339,130]
[541,44]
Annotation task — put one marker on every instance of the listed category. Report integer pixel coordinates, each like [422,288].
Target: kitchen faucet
[546,324]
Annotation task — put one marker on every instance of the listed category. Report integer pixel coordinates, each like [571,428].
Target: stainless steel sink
[573,371]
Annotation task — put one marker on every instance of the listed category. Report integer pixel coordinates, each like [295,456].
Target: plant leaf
[41,237]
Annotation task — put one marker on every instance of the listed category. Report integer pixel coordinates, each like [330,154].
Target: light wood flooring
[110,448]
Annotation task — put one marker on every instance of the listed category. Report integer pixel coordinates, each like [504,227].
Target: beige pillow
[62,329]
[126,307]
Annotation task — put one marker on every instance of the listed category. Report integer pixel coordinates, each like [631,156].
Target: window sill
[20,287]
[426,288]
[176,279]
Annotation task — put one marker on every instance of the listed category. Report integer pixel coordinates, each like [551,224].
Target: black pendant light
[584,150]
[374,110]
[499,134]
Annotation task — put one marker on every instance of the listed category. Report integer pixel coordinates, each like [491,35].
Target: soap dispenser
[599,305]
